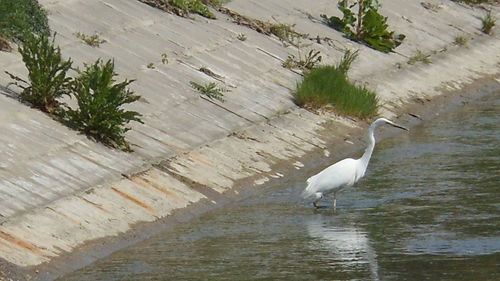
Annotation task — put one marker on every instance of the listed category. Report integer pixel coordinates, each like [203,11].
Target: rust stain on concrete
[134,200]
[60,213]
[19,242]
[147,183]
[199,158]
[100,207]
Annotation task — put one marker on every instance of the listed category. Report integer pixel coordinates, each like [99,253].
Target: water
[428,209]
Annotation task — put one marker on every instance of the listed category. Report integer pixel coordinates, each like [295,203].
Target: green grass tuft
[488,23]
[461,40]
[420,56]
[327,85]
[19,17]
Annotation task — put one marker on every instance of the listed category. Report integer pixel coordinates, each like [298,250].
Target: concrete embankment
[60,191]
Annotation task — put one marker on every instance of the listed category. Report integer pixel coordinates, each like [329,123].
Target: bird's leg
[334,201]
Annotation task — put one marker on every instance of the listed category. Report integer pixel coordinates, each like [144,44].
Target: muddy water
[428,209]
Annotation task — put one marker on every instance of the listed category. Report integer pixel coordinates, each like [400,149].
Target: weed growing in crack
[99,113]
[47,73]
[488,23]
[420,57]
[286,33]
[211,90]
[461,40]
[345,63]
[366,25]
[100,99]
[91,40]
[305,64]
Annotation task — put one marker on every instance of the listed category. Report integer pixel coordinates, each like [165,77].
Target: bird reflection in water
[346,245]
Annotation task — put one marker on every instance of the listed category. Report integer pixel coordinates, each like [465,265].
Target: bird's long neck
[371,145]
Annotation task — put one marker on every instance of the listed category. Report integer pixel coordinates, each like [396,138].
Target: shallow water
[428,209]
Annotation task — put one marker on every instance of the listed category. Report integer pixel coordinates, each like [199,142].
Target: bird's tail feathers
[309,189]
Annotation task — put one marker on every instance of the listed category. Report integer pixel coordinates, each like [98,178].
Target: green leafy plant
[47,72]
[367,25]
[307,63]
[420,57]
[91,40]
[20,17]
[210,90]
[488,23]
[100,99]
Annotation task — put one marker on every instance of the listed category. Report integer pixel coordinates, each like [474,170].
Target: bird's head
[381,121]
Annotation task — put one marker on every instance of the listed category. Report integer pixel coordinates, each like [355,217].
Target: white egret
[344,173]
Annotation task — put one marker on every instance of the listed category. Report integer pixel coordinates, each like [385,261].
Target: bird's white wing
[339,175]
[311,179]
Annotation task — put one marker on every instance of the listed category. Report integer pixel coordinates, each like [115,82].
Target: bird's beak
[400,127]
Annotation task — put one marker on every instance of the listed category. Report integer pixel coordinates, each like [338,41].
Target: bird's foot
[318,206]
